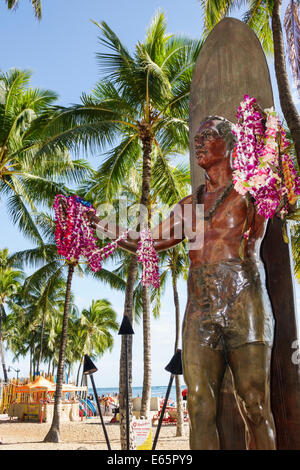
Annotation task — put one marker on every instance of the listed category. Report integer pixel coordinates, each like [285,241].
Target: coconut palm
[10,284]
[52,268]
[54,432]
[263,16]
[94,329]
[51,271]
[25,178]
[36,5]
[43,305]
[176,264]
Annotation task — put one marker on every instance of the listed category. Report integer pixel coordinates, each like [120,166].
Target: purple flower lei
[256,160]
[74,235]
[147,255]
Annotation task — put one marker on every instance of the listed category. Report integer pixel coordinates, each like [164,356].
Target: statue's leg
[250,367]
[203,373]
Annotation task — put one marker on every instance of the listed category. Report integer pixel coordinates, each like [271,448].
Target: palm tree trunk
[78,373]
[54,432]
[286,101]
[30,363]
[41,343]
[146,138]
[146,394]
[33,361]
[128,310]
[2,316]
[179,420]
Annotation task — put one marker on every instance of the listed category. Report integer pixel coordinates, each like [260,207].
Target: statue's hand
[92,218]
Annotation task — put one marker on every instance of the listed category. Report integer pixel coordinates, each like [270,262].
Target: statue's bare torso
[220,237]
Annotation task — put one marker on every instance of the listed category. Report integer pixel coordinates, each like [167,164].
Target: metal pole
[127,393]
[100,412]
[162,412]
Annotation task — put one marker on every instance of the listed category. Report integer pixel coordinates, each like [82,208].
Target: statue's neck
[218,176]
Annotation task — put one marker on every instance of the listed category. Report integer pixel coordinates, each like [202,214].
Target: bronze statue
[228,318]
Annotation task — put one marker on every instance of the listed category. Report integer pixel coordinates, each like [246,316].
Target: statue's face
[210,147]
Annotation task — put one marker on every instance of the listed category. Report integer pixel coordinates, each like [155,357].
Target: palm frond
[110,278]
[34,257]
[213,12]
[116,168]
[119,66]
[36,4]
[258,18]
[21,217]
[170,184]
[156,37]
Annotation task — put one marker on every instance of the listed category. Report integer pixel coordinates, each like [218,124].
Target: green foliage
[26,177]
[257,16]
[146,89]
[36,5]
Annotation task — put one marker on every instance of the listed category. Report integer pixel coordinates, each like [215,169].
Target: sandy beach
[86,435]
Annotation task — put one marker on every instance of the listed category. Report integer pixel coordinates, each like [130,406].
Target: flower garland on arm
[75,237]
[263,167]
[147,255]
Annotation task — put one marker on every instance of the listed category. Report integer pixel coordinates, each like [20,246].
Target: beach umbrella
[175,368]
[89,368]
[40,384]
[125,330]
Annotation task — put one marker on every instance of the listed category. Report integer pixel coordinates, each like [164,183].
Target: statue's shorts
[228,305]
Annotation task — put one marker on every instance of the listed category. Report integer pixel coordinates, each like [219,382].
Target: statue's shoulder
[196,197]
[186,200]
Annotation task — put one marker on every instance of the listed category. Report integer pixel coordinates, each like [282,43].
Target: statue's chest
[221,211]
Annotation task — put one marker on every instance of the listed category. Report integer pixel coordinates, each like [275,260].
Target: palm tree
[54,432]
[42,306]
[93,330]
[263,16]
[36,5]
[96,325]
[10,283]
[175,262]
[25,178]
[50,272]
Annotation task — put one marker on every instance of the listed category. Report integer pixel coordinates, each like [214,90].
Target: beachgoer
[228,318]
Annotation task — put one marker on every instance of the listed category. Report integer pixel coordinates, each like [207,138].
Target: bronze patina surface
[221,79]
[229,326]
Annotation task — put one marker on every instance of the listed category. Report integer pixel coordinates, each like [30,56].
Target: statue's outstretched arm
[166,235]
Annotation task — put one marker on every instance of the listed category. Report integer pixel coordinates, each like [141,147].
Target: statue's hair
[224,128]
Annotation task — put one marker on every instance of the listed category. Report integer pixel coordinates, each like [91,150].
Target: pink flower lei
[147,255]
[75,237]
[258,159]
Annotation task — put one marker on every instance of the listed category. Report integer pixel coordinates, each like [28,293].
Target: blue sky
[60,51]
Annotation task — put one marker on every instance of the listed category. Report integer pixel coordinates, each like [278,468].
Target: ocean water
[156,391]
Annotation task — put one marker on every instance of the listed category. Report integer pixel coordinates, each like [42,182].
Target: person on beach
[228,318]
